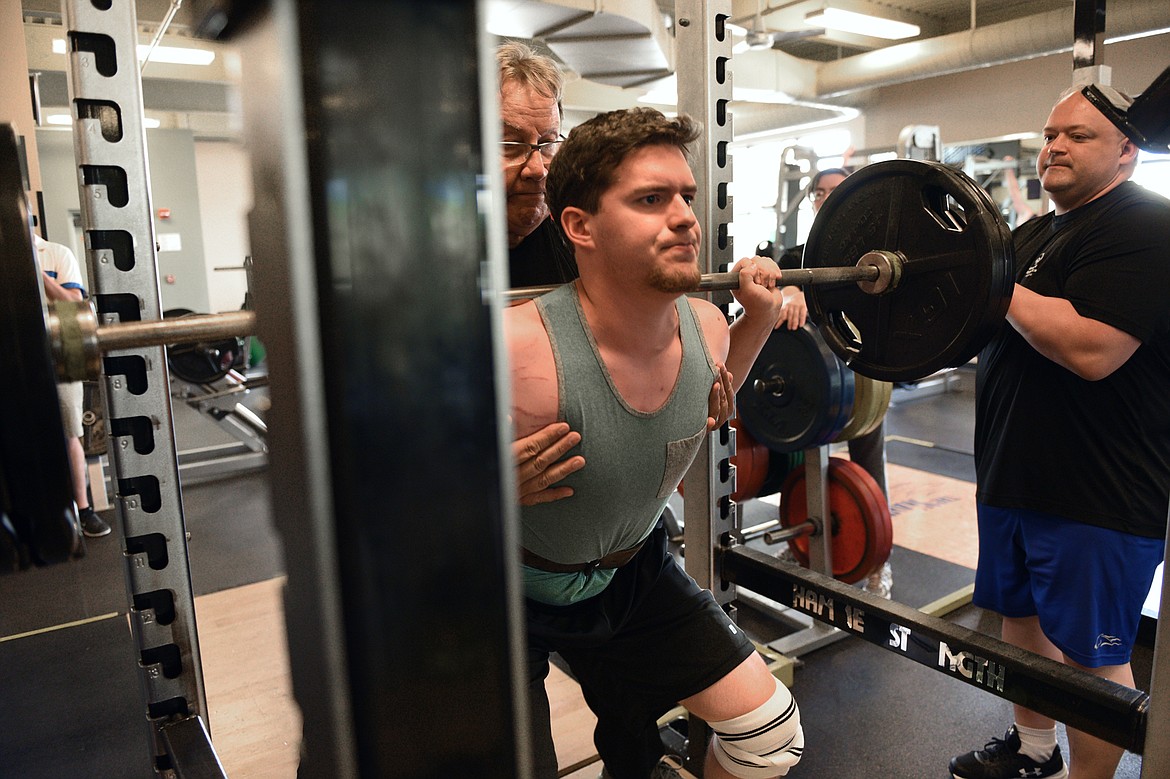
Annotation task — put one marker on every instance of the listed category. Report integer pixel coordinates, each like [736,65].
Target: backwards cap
[1144,120]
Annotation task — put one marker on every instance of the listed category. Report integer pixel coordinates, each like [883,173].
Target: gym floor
[71,704]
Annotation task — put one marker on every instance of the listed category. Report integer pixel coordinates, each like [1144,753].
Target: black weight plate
[956,278]
[794,393]
[33,461]
[1003,272]
[779,466]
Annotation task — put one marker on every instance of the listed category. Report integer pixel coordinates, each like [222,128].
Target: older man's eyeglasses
[518,153]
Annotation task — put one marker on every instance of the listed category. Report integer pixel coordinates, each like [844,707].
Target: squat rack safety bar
[1086,702]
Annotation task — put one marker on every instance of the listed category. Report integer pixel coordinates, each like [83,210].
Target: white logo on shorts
[1106,640]
[731,627]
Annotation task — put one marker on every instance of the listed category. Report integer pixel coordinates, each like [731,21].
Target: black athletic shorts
[650,639]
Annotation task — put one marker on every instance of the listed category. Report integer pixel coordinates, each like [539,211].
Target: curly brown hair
[584,167]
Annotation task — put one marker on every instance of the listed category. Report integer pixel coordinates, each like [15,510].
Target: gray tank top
[633,460]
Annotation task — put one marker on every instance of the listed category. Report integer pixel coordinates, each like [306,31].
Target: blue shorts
[1086,584]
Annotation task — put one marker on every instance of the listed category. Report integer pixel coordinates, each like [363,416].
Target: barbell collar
[72,328]
[889,271]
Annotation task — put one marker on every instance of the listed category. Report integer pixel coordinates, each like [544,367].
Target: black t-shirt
[541,258]
[792,258]
[1045,439]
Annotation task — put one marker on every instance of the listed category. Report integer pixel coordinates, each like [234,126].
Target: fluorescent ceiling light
[1137,35]
[861,24]
[66,119]
[663,92]
[178,55]
[174,55]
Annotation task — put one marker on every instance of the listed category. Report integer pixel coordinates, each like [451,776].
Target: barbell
[894,314]
[908,270]
[78,340]
[876,273]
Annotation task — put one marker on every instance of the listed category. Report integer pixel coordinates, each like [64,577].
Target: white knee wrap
[762,743]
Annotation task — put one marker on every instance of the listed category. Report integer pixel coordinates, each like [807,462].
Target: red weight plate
[861,526]
[751,464]
[751,460]
[879,524]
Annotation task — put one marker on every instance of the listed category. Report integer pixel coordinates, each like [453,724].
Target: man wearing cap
[1072,431]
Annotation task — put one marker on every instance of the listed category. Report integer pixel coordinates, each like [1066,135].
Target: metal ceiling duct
[1033,36]
[627,43]
[616,42]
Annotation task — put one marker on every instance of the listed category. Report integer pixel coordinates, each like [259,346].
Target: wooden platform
[256,724]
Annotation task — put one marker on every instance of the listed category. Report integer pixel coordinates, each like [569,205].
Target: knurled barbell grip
[207,327]
[712,282]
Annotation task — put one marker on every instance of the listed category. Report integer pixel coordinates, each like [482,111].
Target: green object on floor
[256,351]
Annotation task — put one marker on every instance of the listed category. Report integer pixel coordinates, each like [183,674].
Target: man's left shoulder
[1133,196]
[522,320]
[706,312]
[713,323]
[1129,212]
